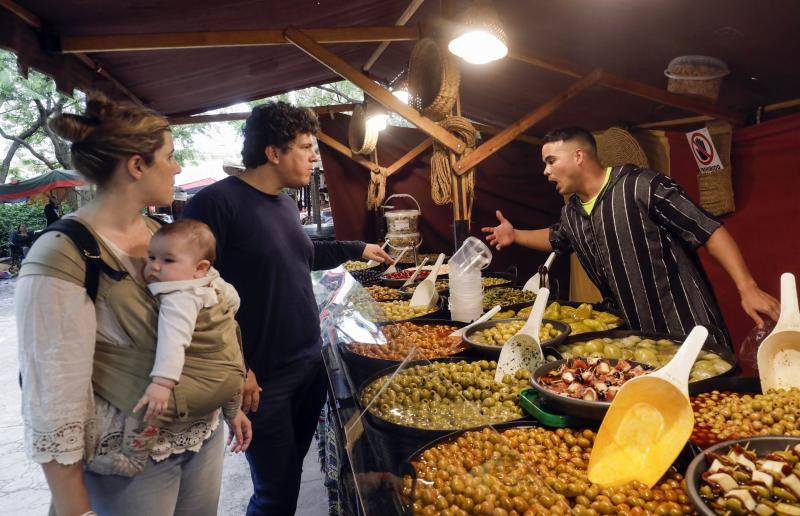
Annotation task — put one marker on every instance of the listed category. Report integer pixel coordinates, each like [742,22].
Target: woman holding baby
[86,360]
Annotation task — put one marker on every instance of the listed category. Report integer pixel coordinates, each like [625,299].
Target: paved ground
[23,491]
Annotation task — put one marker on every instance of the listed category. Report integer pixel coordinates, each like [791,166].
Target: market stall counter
[416,424]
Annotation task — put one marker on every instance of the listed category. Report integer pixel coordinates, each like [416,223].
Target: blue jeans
[283,428]
[183,484]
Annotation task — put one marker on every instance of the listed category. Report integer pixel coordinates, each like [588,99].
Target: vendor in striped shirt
[635,231]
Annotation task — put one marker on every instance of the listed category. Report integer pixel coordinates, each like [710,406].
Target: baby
[179,273]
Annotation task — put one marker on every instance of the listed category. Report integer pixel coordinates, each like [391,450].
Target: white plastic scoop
[648,422]
[455,338]
[523,350]
[393,267]
[373,263]
[779,354]
[425,293]
[532,285]
[413,278]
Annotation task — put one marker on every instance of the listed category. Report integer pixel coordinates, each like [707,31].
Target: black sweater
[263,251]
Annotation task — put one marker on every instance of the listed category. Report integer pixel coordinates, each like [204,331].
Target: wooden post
[497,142]
[379,93]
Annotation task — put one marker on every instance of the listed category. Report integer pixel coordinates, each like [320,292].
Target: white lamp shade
[478,47]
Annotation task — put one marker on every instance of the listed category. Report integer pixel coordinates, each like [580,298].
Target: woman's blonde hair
[108,132]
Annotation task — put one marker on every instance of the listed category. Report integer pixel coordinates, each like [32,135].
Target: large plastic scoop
[413,278]
[425,293]
[523,350]
[535,282]
[779,354]
[455,338]
[648,422]
[393,267]
[373,263]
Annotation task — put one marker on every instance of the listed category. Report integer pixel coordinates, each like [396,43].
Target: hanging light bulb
[377,117]
[481,38]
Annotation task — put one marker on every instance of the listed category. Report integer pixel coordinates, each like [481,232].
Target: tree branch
[28,146]
[339,93]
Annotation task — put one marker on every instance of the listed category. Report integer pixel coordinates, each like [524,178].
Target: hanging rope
[441,168]
[376,192]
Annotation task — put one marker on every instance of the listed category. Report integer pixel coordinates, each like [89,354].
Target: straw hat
[616,146]
[433,79]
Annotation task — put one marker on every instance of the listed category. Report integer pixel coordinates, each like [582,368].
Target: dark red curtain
[766,184]
[510,180]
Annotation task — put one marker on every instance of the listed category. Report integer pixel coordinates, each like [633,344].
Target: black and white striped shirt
[638,246]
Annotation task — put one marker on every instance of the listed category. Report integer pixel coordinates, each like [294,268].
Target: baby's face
[171,258]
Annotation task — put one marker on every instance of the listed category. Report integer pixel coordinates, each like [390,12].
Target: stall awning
[41,184]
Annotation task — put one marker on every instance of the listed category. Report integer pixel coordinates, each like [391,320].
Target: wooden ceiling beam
[402,20]
[490,129]
[502,138]
[228,117]
[36,22]
[339,66]
[409,156]
[345,151]
[183,40]
[631,87]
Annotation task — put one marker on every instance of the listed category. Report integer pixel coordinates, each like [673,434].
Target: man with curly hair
[264,252]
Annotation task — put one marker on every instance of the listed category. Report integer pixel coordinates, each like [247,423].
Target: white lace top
[64,421]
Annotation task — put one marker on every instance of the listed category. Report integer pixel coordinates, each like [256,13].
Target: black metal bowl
[600,307]
[396,283]
[421,435]
[494,351]
[680,463]
[510,278]
[564,405]
[361,366]
[678,339]
[408,295]
[701,463]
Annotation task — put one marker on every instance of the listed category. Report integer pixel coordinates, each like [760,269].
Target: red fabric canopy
[766,185]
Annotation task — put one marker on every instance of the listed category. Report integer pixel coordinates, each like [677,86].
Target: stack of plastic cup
[466,289]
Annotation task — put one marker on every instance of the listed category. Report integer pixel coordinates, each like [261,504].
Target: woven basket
[616,146]
[433,79]
[716,187]
[362,140]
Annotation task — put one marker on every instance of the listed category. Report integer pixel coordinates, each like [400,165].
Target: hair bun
[99,107]
[74,128]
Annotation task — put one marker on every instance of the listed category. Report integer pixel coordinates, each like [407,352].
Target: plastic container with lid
[402,221]
[401,240]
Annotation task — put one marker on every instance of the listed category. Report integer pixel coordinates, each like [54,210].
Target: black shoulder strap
[90,250]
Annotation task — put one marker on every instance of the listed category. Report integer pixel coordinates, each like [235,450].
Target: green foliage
[12,215]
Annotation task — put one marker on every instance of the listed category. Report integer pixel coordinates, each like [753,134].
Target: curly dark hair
[574,133]
[276,124]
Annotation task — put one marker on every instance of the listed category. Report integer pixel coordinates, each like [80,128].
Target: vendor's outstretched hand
[240,432]
[501,235]
[756,303]
[374,252]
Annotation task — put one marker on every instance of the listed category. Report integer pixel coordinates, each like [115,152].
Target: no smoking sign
[703,150]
